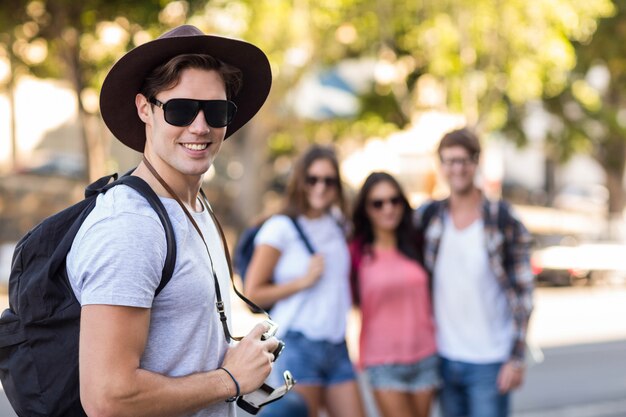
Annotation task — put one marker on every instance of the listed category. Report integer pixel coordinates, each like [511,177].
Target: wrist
[304,283]
[517,364]
[233,392]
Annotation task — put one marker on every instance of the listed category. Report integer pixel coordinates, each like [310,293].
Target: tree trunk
[615,153]
[549,185]
[252,145]
[93,148]
[12,84]
[614,168]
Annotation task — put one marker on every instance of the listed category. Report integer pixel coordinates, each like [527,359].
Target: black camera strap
[219,302]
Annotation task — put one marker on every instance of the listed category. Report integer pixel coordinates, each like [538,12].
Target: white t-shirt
[117,258]
[474,322]
[318,312]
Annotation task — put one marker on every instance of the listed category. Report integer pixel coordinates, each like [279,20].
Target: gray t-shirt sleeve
[119,260]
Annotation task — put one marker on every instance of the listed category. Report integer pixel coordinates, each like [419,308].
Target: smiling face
[458,168]
[384,206]
[321,186]
[185,151]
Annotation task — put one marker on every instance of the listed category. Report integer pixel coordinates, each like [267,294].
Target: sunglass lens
[394,201]
[327,181]
[181,112]
[219,113]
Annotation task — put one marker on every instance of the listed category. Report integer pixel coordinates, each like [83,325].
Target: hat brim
[125,79]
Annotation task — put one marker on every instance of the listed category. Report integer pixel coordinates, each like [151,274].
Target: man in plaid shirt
[478,254]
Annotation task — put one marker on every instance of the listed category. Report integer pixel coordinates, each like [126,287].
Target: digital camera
[265,394]
[273,328]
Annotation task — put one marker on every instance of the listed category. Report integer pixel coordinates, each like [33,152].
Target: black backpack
[39,332]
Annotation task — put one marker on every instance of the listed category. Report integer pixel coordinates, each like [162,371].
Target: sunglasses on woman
[183,111]
[379,203]
[327,181]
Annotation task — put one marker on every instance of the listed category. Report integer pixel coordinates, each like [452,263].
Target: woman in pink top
[397,342]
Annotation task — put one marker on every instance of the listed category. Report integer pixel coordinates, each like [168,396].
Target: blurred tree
[486,57]
[78,41]
[591,112]
[483,54]
[11,9]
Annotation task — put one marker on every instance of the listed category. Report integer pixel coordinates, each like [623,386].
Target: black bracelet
[238,393]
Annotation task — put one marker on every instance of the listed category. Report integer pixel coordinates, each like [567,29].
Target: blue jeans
[470,390]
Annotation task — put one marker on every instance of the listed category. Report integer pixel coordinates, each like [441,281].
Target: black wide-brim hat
[125,79]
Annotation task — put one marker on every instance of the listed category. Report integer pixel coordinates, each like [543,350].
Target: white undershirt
[474,323]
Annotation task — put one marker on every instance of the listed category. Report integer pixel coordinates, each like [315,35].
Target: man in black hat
[175,99]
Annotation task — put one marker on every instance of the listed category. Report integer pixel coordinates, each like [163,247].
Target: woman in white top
[310,294]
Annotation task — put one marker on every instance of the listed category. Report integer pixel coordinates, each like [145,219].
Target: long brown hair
[296,202]
[406,234]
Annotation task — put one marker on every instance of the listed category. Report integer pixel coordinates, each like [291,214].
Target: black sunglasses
[183,111]
[378,204]
[328,181]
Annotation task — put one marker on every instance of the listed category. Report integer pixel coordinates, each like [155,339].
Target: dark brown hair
[465,138]
[406,234]
[167,76]
[297,202]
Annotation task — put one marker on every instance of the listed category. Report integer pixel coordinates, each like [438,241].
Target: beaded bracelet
[238,393]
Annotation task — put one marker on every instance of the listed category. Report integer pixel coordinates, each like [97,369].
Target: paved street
[582,333]
[576,381]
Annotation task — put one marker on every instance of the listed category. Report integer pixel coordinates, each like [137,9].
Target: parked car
[567,265]
[554,265]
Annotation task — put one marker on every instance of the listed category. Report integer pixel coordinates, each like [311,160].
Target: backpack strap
[306,241]
[104,184]
[429,212]
[503,214]
[99,185]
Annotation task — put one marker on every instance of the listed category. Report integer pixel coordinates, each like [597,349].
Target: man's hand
[511,376]
[250,361]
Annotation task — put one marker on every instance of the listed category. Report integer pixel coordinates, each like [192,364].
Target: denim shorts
[315,362]
[417,376]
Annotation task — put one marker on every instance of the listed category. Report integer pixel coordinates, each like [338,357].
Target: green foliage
[485,54]
[590,109]
[490,57]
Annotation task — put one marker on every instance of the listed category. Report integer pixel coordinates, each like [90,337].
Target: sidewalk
[562,317]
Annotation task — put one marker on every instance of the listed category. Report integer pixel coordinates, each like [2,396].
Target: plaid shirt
[508,248]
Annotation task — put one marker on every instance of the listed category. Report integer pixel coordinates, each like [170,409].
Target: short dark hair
[465,138]
[167,76]
[297,202]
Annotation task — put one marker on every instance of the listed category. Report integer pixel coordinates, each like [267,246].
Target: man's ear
[144,108]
